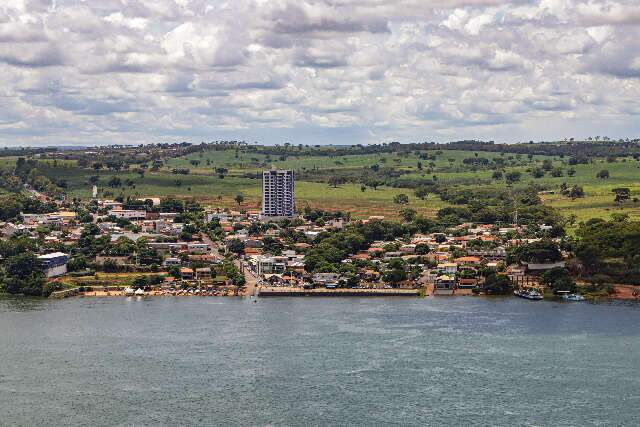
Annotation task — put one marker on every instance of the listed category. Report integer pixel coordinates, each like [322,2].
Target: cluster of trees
[610,247]
[27,171]
[21,271]
[497,284]
[331,248]
[573,192]
[542,251]
[12,204]
[558,279]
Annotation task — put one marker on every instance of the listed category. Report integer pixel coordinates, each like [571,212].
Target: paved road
[251,282]
[213,245]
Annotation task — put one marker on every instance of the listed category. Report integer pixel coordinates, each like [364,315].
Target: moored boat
[530,294]
[573,297]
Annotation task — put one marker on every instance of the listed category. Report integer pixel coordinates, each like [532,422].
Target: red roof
[468,259]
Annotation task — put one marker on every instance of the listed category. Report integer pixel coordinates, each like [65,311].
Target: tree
[497,284]
[622,194]
[141,282]
[10,206]
[556,172]
[537,173]
[334,181]
[542,251]
[603,174]
[401,199]
[571,171]
[421,192]
[558,279]
[114,182]
[239,199]
[576,192]
[422,249]
[236,246]
[396,272]
[513,177]
[408,214]
[373,183]
[497,175]
[24,275]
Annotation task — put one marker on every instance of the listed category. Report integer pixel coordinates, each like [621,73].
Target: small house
[186,273]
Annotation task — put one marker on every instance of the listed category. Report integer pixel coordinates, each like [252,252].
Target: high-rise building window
[278,193]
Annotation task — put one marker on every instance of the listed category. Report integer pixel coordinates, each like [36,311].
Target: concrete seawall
[299,292]
[66,293]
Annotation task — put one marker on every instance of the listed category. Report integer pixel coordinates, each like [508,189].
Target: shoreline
[299,292]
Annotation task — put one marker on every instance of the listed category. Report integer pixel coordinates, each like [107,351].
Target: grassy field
[213,191]
[448,167]
[252,162]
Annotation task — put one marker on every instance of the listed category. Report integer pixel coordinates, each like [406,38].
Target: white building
[269,265]
[198,248]
[54,264]
[278,194]
[324,278]
[128,214]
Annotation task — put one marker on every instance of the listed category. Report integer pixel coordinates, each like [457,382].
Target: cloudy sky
[317,71]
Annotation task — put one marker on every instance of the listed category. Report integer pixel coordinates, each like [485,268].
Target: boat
[139,292]
[573,297]
[530,294]
[129,291]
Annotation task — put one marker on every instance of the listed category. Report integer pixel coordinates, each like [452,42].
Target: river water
[316,361]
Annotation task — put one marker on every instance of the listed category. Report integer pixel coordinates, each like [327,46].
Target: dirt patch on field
[626,292]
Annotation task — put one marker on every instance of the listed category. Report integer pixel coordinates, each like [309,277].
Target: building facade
[54,264]
[128,214]
[278,194]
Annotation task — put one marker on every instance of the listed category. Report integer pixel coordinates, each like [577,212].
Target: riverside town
[93,222]
[319,213]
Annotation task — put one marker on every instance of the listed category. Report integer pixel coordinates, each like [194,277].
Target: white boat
[139,292]
[129,291]
[530,294]
[573,297]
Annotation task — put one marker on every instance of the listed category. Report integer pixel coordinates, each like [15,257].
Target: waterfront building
[54,264]
[270,265]
[278,194]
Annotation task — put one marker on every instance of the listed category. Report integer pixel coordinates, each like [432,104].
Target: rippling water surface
[307,361]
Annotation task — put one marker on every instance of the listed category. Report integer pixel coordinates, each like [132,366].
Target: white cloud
[346,70]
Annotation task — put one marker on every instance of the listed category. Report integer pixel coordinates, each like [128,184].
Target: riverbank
[622,292]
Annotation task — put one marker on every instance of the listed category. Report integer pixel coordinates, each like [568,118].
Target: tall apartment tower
[278,198]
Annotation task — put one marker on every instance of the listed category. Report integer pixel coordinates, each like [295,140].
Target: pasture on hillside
[448,167]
